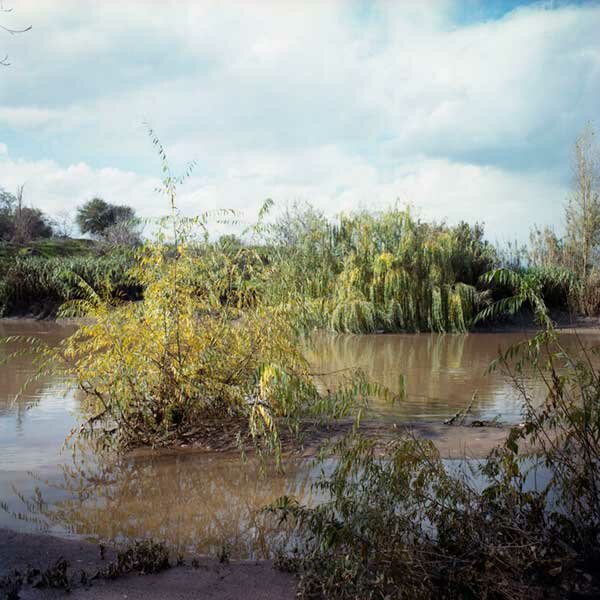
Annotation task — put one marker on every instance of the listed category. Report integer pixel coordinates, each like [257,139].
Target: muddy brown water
[198,502]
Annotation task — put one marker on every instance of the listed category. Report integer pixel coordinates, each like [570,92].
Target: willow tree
[388,271]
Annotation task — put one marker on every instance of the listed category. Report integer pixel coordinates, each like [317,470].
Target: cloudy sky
[465,109]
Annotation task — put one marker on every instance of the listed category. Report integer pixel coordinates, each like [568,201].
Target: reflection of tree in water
[440,373]
[17,370]
[192,502]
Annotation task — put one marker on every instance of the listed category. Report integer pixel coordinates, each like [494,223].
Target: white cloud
[57,189]
[28,117]
[311,100]
[437,189]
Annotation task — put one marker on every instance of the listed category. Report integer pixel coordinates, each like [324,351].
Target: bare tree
[124,233]
[4,61]
[583,209]
[28,223]
[546,249]
[63,224]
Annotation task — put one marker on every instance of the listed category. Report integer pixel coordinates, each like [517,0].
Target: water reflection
[34,424]
[17,373]
[199,502]
[441,373]
[192,502]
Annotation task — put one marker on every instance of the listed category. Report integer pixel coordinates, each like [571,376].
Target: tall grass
[40,283]
[388,271]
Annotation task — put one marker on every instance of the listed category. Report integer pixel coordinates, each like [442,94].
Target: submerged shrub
[191,352]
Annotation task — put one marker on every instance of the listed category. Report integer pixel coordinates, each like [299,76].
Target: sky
[466,110]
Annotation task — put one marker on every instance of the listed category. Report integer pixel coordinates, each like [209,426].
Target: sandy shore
[208,579]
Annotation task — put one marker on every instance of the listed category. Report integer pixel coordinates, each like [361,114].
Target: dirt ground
[237,580]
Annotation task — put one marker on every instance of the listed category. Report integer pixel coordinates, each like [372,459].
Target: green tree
[97,216]
[7,205]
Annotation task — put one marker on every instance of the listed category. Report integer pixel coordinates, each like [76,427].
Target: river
[201,502]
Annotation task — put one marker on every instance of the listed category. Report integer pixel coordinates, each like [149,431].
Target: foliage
[56,576]
[10,587]
[199,347]
[562,435]
[50,248]
[38,283]
[97,216]
[387,272]
[533,288]
[583,211]
[144,557]
[21,224]
[577,251]
[546,249]
[399,522]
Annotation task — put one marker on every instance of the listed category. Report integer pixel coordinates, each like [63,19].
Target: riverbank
[523,322]
[471,440]
[207,578]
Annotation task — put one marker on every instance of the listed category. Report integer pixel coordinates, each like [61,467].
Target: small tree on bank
[21,224]
[112,222]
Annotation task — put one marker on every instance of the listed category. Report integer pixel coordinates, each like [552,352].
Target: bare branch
[4,62]
[15,31]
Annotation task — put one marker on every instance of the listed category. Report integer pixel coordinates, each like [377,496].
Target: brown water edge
[451,441]
[208,578]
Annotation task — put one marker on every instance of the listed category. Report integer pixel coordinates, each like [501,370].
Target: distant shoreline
[520,324]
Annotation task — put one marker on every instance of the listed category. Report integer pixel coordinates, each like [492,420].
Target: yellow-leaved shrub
[200,347]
